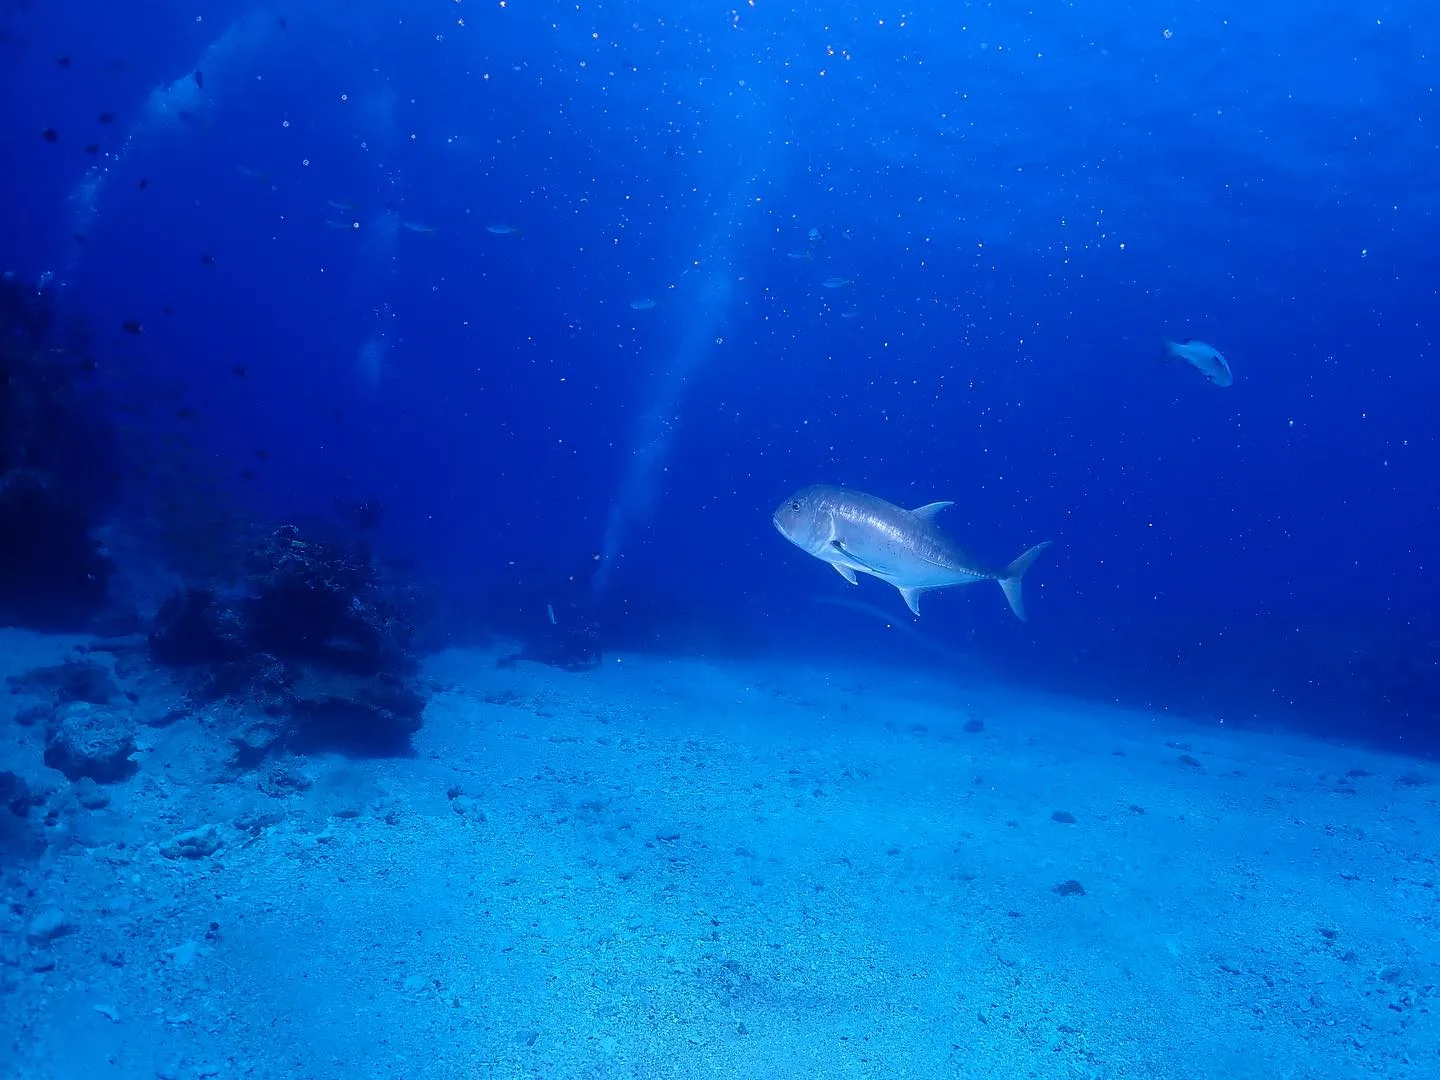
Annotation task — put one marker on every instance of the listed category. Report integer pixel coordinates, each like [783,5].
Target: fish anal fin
[912,598]
[845,572]
[929,510]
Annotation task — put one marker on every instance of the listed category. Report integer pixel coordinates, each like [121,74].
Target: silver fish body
[1204,358]
[859,533]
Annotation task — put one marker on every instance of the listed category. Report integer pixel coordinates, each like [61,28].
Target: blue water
[548,282]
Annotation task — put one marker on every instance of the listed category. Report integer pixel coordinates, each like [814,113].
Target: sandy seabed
[685,868]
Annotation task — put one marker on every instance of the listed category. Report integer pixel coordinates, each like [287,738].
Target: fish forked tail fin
[1010,578]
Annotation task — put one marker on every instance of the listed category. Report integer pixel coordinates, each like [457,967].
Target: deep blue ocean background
[1026,200]
[401,675]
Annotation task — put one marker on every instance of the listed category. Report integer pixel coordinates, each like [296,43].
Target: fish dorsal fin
[929,510]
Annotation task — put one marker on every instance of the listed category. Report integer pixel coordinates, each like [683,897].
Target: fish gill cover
[338,337]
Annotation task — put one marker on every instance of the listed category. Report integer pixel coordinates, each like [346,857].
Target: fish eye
[795,506]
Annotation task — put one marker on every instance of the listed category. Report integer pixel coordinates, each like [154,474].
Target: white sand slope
[679,869]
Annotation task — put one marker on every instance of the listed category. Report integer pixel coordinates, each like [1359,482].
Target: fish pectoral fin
[912,598]
[845,572]
[850,555]
[929,510]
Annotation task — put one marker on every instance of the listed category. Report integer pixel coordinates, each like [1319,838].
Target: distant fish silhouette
[1204,358]
[902,627]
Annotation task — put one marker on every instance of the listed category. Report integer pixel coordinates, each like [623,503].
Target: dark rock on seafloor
[313,644]
[83,739]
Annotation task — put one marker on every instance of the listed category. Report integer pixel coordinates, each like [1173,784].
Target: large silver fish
[1204,358]
[854,532]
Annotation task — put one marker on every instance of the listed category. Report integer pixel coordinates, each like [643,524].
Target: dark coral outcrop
[314,643]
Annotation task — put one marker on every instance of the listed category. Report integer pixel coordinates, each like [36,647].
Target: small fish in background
[502,230]
[417,227]
[1204,358]
[806,254]
[838,282]
[643,304]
